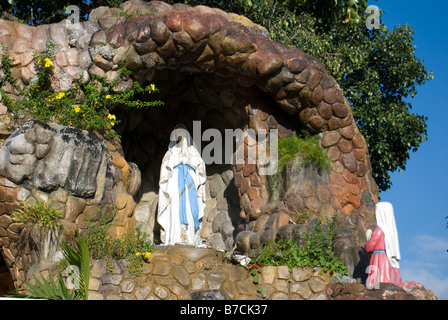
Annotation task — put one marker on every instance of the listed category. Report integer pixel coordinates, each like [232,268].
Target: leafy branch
[84,106]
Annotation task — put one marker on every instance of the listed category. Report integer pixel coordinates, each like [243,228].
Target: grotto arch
[211,66]
[204,43]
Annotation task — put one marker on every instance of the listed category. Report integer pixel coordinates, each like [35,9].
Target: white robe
[168,210]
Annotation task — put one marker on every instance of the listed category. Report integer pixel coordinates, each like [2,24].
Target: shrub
[42,213]
[84,106]
[319,245]
[316,252]
[133,246]
[78,258]
[305,146]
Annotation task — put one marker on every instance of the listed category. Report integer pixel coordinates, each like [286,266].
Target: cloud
[426,262]
[438,285]
[429,244]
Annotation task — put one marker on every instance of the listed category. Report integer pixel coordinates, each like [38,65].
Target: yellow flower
[108,96]
[152,87]
[137,254]
[77,109]
[112,124]
[60,95]
[48,63]
[112,117]
[147,255]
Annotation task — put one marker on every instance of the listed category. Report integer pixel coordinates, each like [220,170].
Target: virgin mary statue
[181,191]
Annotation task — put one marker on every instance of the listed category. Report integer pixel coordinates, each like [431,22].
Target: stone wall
[9,233]
[179,272]
[188,273]
[222,208]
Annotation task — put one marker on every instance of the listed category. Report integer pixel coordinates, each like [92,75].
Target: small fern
[42,213]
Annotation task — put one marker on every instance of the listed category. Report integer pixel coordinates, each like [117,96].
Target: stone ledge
[180,273]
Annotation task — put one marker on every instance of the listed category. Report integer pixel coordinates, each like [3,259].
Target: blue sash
[378,251]
[186,184]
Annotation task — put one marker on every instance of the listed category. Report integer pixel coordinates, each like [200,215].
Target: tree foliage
[37,12]
[377,69]
[378,73]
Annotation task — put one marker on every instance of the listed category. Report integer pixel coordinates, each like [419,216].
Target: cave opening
[215,102]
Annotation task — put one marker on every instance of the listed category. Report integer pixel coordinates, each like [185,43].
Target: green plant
[316,252]
[97,236]
[280,253]
[46,289]
[114,3]
[133,246]
[255,269]
[128,14]
[7,63]
[42,213]
[306,147]
[319,245]
[84,106]
[79,258]
[302,216]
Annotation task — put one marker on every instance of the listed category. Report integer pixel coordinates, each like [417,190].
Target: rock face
[188,273]
[74,169]
[211,66]
[386,291]
[52,157]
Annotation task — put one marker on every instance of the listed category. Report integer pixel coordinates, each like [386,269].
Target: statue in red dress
[383,244]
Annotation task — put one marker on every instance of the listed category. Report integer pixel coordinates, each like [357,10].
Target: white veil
[386,221]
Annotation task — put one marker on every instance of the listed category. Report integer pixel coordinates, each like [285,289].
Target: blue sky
[419,194]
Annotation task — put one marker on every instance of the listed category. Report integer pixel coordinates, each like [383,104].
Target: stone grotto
[210,66]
